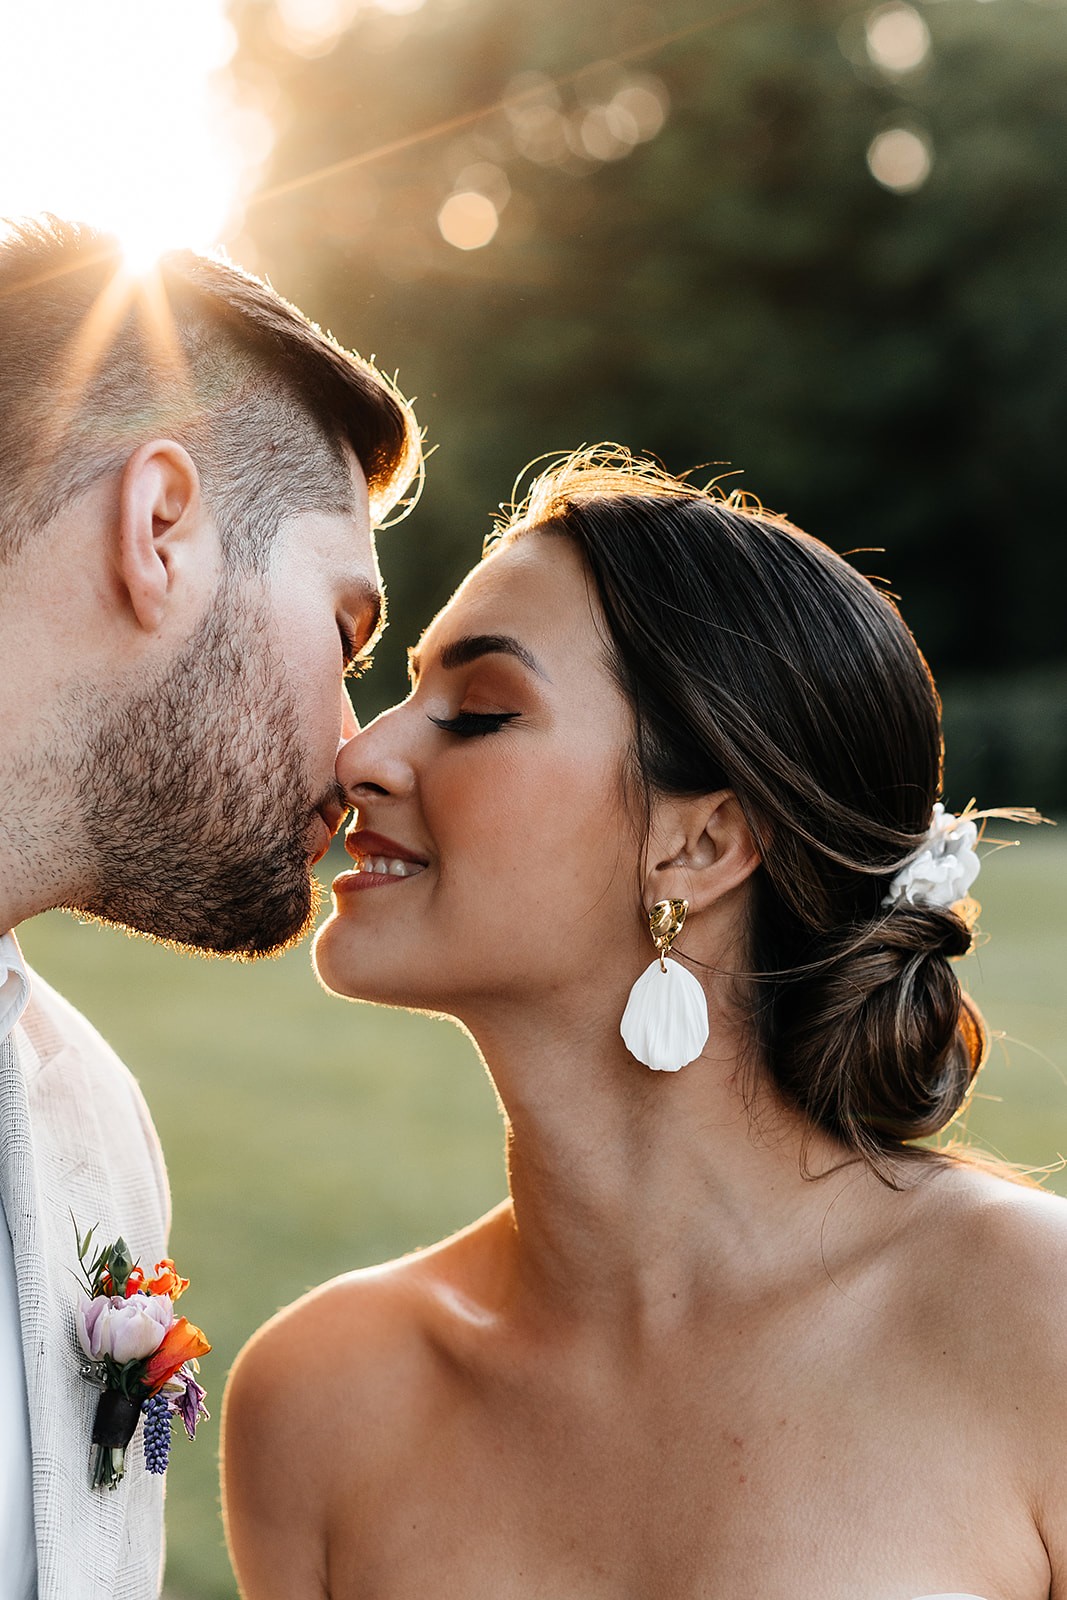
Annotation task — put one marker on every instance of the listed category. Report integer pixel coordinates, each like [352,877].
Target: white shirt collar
[14,984]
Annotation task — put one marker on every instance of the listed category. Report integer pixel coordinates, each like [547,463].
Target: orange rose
[135,1282]
[182,1342]
[167,1280]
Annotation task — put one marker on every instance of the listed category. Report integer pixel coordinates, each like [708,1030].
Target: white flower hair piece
[944,867]
[942,872]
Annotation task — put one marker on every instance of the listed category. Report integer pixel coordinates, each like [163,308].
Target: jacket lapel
[46,1172]
[18,1189]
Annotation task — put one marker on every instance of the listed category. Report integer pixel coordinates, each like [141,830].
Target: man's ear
[160,526]
[698,850]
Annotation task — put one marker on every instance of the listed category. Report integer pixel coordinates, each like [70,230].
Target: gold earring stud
[665,922]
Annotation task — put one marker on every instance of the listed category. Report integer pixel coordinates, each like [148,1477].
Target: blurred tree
[735,287]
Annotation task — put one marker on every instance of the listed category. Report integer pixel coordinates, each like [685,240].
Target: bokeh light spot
[898,39]
[485,177]
[468,220]
[900,159]
[645,100]
[541,133]
[311,28]
[608,132]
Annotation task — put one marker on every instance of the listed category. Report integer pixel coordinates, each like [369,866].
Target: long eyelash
[473,724]
[357,667]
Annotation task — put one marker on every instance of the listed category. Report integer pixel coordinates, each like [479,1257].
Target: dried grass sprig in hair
[941,872]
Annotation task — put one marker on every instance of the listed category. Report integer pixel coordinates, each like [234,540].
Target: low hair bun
[875,1040]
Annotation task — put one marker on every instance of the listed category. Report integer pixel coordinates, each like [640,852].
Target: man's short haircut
[94,362]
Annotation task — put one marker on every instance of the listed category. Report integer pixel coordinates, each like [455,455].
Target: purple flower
[125,1330]
[189,1405]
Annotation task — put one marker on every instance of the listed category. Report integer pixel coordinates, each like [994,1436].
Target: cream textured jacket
[76,1136]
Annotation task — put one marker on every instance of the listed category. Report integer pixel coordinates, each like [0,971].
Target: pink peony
[125,1330]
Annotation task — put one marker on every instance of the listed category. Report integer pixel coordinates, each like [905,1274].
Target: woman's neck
[639,1195]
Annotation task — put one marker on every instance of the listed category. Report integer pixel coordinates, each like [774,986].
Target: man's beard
[196,818]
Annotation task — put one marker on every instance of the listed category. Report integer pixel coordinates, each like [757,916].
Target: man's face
[209,795]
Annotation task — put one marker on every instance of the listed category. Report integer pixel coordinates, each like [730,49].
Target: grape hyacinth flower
[156,1411]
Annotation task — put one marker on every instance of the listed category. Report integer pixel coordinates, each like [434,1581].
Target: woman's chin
[336,968]
[345,966]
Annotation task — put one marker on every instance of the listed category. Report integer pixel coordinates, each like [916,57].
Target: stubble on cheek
[196,814]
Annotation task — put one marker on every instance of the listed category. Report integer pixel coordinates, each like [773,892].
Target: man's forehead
[349,499]
[335,543]
[360,492]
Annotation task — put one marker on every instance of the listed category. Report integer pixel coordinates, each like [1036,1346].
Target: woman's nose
[373,762]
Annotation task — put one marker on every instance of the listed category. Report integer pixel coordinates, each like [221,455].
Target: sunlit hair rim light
[591,471]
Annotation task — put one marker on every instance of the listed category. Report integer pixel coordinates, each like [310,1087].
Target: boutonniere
[141,1355]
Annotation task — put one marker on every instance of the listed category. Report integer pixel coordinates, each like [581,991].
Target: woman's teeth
[387,867]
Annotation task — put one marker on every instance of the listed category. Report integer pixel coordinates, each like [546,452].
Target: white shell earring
[665,1024]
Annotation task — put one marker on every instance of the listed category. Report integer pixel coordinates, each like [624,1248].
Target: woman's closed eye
[474,724]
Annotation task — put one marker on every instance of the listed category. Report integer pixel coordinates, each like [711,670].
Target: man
[189,476]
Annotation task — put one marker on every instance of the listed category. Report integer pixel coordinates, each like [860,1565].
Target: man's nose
[349,720]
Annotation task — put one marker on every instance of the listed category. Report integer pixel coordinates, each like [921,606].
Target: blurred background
[815,246]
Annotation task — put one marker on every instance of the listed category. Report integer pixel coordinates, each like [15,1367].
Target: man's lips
[330,815]
[325,837]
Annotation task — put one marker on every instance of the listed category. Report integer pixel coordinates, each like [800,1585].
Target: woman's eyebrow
[461,652]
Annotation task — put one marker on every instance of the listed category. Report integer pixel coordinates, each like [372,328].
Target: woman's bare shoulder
[371,1306]
[360,1346]
[328,1399]
[999,1226]
[991,1273]
[993,1241]
[1015,1256]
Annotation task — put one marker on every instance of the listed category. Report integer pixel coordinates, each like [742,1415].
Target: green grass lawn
[306,1136]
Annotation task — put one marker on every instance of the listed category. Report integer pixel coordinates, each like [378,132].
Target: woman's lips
[379,861]
[363,845]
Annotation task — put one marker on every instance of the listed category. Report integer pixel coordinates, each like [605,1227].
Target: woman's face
[496,856]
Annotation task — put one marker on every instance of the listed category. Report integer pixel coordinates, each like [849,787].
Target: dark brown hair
[94,361]
[757,660]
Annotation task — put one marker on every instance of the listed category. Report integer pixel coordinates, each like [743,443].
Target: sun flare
[113,112]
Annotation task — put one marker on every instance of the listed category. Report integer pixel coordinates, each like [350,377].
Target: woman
[732,1335]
